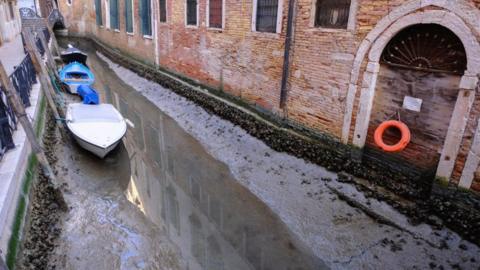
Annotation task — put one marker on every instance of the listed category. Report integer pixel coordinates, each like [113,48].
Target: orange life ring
[404,130]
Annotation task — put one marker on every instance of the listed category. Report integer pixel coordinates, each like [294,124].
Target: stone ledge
[12,170]
[469,82]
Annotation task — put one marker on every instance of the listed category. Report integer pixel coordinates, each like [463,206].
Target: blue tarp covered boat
[88,94]
[76,74]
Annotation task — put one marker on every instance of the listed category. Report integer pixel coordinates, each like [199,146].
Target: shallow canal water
[188,190]
[211,220]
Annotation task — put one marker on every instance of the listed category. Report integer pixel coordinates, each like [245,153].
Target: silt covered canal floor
[188,190]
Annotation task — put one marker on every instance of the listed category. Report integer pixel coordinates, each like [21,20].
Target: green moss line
[14,241]
[20,211]
[41,118]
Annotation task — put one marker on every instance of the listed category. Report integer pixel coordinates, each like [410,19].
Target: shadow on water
[100,178]
[214,221]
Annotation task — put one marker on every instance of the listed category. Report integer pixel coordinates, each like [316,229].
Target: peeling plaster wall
[9,27]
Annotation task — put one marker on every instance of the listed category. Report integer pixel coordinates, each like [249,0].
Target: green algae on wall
[30,172]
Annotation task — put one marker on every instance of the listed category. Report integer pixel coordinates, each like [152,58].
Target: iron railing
[38,42]
[23,77]
[39,45]
[7,124]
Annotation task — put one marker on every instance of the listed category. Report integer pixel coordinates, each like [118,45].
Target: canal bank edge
[24,167]
[458,210]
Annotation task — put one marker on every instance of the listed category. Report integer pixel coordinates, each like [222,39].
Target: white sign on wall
[412,104]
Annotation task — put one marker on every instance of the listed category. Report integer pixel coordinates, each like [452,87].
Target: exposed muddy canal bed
[188,190]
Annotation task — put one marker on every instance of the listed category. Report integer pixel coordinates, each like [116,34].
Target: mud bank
[101,229]
[43,225]
[413,194]
[300,194]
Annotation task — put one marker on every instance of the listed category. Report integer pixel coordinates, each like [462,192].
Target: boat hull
[73,54]
[100,152]
[96,128]
[73,88]
[75,75]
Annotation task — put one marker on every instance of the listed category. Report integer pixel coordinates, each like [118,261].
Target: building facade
[10,24]
[337,67]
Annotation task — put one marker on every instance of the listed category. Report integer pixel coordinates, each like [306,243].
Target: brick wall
[241,62]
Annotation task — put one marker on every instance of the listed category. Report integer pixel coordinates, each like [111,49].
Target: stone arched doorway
[419,73]
[365,79]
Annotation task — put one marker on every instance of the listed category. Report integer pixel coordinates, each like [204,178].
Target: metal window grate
[332,13]
[426,47]
[146,19]
[163,10]
[114,23]
[98,12]
[191,12]
[128,16]
[215,13]
[267,16]
[11,9]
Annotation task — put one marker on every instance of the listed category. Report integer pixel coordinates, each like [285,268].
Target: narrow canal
[187,190]
[204,218]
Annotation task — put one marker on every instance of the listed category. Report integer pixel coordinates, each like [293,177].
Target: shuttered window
[146,17]
[129,16]
[98,12]
[332,13]
[114,22]
[215,13]
[12,13]
[191,12]
[163,10]
[266,20]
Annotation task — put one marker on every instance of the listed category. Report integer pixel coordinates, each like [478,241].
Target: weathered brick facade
[330,89]
[10,24]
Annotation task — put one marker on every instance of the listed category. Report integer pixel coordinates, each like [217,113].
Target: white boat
[96,128]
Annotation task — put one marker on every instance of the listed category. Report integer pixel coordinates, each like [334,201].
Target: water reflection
[215,222]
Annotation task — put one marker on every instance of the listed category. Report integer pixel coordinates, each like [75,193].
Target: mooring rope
[59,98]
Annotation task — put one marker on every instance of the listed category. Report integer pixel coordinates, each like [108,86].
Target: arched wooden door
[420,70]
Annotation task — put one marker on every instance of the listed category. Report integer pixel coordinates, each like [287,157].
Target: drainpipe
[286,56]
[155,28]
